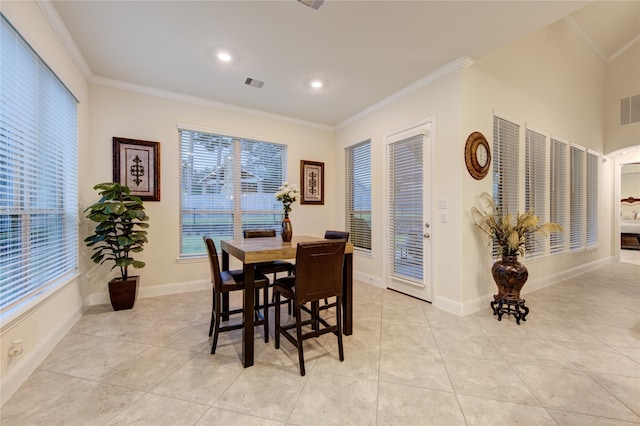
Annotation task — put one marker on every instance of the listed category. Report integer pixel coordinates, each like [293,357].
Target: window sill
[192,259]
[14,314]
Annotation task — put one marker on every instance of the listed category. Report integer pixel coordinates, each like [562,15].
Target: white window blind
[227,185]
[406,189]
[38,173]
[358,194]
[577,199]
[593,160]
[506,170]
[535,187]
[557,194]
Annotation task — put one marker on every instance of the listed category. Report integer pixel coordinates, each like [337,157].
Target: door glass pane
[406,220]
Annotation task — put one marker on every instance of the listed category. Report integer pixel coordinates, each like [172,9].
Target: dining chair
[318,275]
[271,267]
[334,235]
[226,282]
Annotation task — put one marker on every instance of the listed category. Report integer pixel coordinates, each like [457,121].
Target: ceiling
[364,51]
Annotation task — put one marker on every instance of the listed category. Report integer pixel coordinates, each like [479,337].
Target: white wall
[136,115]
[44,324]
[439,101]
[549,80]
[622,81]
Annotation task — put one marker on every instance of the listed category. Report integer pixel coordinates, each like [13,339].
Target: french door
[408,245]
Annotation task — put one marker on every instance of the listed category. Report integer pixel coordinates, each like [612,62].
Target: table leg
[225,296]
[247,313]
[347,294]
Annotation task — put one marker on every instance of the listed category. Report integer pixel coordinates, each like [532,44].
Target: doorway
[408,244]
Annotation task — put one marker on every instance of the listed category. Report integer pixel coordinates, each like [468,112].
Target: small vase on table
[287,229]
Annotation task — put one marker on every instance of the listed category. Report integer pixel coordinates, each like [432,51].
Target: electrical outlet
[16,348]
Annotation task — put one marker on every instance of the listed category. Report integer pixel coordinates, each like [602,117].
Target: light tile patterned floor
[575,361]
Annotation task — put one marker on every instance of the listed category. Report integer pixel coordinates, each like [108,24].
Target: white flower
[288,194]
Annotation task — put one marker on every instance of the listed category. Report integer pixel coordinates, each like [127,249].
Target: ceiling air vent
[313,4]
[254,83]
[630,110]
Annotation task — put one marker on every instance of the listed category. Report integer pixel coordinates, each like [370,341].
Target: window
[593,159]
[557,193]
[535,188]
[506,170]
[576,199]
[358,193]
[38,173]
[227,184]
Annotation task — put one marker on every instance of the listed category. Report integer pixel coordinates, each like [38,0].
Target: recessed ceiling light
[316,84]
[224,56]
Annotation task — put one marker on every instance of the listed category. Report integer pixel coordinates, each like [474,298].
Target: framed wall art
[312,182]
[137,164]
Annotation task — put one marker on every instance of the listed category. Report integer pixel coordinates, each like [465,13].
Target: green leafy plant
[121,227]
[509,235]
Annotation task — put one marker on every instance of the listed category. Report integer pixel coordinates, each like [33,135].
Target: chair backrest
[336,235]
[213,262]
[318,270]
[257,233]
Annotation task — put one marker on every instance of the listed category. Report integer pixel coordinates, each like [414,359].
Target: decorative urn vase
[510,276]
[287,230]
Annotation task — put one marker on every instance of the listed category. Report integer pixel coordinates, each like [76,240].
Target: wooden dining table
[255,250]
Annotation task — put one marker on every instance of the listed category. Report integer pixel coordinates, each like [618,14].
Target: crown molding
[455,65]
[107,82]
[624,48]
[51,14]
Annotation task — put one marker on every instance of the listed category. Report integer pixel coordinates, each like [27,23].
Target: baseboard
[369,279]
[475,305]
[540,283]
[156,291]
[462,309]
[21,372]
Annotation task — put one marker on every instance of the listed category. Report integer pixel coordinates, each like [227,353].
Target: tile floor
[575,361]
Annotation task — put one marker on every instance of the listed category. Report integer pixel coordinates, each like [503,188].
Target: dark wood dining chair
[226,282]
[333,235]
[318,275]
[274,266]
[336,235]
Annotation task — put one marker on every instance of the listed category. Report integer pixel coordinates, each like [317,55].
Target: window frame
[39,259]
[564,173]
[358,165]
[233,153]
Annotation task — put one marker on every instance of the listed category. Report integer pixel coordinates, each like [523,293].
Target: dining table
[251,251]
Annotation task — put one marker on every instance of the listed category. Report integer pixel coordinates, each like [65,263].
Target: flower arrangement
[288,194]
[510,237]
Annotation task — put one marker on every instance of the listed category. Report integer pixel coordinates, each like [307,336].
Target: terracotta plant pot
[510,276]
[123,293]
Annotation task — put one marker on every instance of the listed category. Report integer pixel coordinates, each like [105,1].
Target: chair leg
[315,312]
[277,324]
[213,309]
[299,340]
[216,330]
[266,313]
[339,324]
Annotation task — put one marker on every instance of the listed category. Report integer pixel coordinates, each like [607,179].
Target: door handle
[427,235]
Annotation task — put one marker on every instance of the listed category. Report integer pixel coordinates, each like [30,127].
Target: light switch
[442,203]
[443,217]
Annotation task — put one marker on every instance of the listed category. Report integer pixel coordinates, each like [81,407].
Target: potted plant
[120,232]
[510,235]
